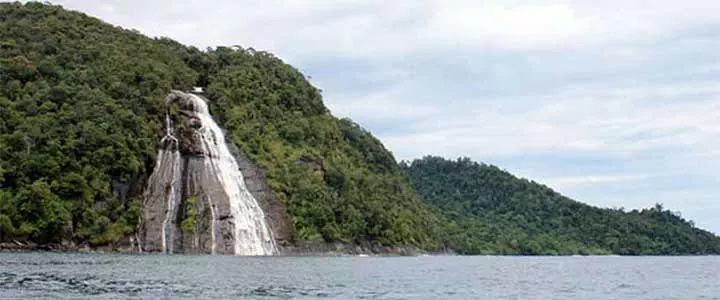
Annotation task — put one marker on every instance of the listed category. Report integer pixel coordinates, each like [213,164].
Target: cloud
[615,103]
[612,123]
[382,28]
[576,181]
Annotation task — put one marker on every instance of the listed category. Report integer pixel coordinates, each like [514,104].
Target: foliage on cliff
[492,211]
[81,114]
[339,183]
[81,108]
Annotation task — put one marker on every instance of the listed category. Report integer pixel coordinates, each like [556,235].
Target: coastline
[300,248]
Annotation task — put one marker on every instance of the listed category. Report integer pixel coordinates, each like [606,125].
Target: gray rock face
[256,183]
[182,195]
[160,198]
[314,163]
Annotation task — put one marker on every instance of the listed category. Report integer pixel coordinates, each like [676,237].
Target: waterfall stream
[251,234]
[196,163]
[169,156]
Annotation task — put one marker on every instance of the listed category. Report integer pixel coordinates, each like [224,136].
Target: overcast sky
[614,103]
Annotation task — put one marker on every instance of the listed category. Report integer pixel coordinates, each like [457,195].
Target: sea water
[115,276]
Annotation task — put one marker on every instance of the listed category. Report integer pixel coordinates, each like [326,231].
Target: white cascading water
[207,177]
[172,195]
[251,234]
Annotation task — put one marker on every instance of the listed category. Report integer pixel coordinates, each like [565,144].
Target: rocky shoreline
[301,248]
[321,248]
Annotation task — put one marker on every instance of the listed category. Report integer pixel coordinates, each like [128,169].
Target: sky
[613,103]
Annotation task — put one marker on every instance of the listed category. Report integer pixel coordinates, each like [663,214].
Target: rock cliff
[184,199]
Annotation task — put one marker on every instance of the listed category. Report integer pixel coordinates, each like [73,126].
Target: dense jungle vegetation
[81,110]
[81,115]
[494,212]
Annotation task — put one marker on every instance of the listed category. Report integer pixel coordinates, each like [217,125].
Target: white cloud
[564,183]
[382,105]
[500,25]
[380,28]
[612,123]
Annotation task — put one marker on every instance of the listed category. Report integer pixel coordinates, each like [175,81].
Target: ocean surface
[116,276]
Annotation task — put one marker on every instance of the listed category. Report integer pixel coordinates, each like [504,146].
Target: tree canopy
[493,212]
[81,112]
[81,116]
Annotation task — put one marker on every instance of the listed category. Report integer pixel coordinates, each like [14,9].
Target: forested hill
[493,211]
[81,114]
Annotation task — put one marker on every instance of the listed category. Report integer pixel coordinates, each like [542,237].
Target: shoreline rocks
[301,248]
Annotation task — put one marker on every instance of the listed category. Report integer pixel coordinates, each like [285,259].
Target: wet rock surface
[183,197]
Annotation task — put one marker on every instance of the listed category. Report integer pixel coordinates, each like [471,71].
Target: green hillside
[81,112]
[492,211]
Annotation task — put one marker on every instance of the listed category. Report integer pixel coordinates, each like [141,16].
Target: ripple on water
[40,276]
[57,263]
[86,285]
[286,292]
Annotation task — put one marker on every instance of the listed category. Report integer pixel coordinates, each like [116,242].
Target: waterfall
[251,235]
[194,161]
[168,167]
[139,242]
